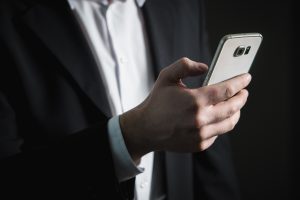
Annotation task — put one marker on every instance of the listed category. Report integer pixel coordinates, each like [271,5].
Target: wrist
[131,124]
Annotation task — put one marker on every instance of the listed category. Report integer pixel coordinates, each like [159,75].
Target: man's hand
[176,118]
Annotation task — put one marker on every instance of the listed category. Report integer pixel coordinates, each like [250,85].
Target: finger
[222,91]
[226,109]
[207,143]
[183,68]
[219,128]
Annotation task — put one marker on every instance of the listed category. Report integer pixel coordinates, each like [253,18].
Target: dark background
[265,141]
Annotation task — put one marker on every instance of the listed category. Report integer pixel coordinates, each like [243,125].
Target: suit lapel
[159,20]
[56,26]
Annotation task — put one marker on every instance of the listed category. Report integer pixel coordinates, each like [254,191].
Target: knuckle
[231,124]
[201,120]
[245,96]
[245,81]
[163,71]
[229,91]
[245,92]
[162,74]
[232,110]
[202,134]
[192,102]
[184,61]
[195,102]
[202,146]
[238,115]
[200,100]
[194,108]
[213,92]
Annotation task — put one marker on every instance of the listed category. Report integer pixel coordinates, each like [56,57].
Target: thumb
[183,68]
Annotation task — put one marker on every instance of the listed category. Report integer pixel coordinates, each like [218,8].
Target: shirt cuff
[125,168]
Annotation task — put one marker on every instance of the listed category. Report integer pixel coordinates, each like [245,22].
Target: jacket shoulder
[9,8]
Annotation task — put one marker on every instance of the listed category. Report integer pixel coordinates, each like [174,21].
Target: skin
[176,118]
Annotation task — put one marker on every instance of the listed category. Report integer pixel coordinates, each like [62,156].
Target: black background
[265,140]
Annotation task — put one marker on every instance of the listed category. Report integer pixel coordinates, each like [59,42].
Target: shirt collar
[140,3]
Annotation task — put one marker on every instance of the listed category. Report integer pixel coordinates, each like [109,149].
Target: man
[81,115]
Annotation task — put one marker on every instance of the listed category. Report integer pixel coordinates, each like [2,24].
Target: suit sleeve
[78,166]
[73,167]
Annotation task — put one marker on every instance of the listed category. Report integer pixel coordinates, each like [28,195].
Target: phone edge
[218,51]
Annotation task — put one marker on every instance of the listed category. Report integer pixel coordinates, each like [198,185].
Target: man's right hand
[180,119]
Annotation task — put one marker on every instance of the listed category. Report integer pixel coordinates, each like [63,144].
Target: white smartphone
[234,56]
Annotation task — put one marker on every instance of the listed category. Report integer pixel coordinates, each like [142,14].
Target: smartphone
[234,56]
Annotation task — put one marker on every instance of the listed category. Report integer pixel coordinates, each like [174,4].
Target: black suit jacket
[54,111]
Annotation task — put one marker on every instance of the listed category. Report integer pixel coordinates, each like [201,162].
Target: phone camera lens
[239,51]
[247,50]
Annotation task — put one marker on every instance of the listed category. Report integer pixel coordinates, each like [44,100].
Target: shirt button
[144,184]
[123,60]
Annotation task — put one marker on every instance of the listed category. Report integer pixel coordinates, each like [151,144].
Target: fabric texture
[54,114]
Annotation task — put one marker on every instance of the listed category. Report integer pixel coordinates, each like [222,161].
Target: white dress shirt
[115,32]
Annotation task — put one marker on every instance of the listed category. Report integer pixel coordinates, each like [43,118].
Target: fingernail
[248,77]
